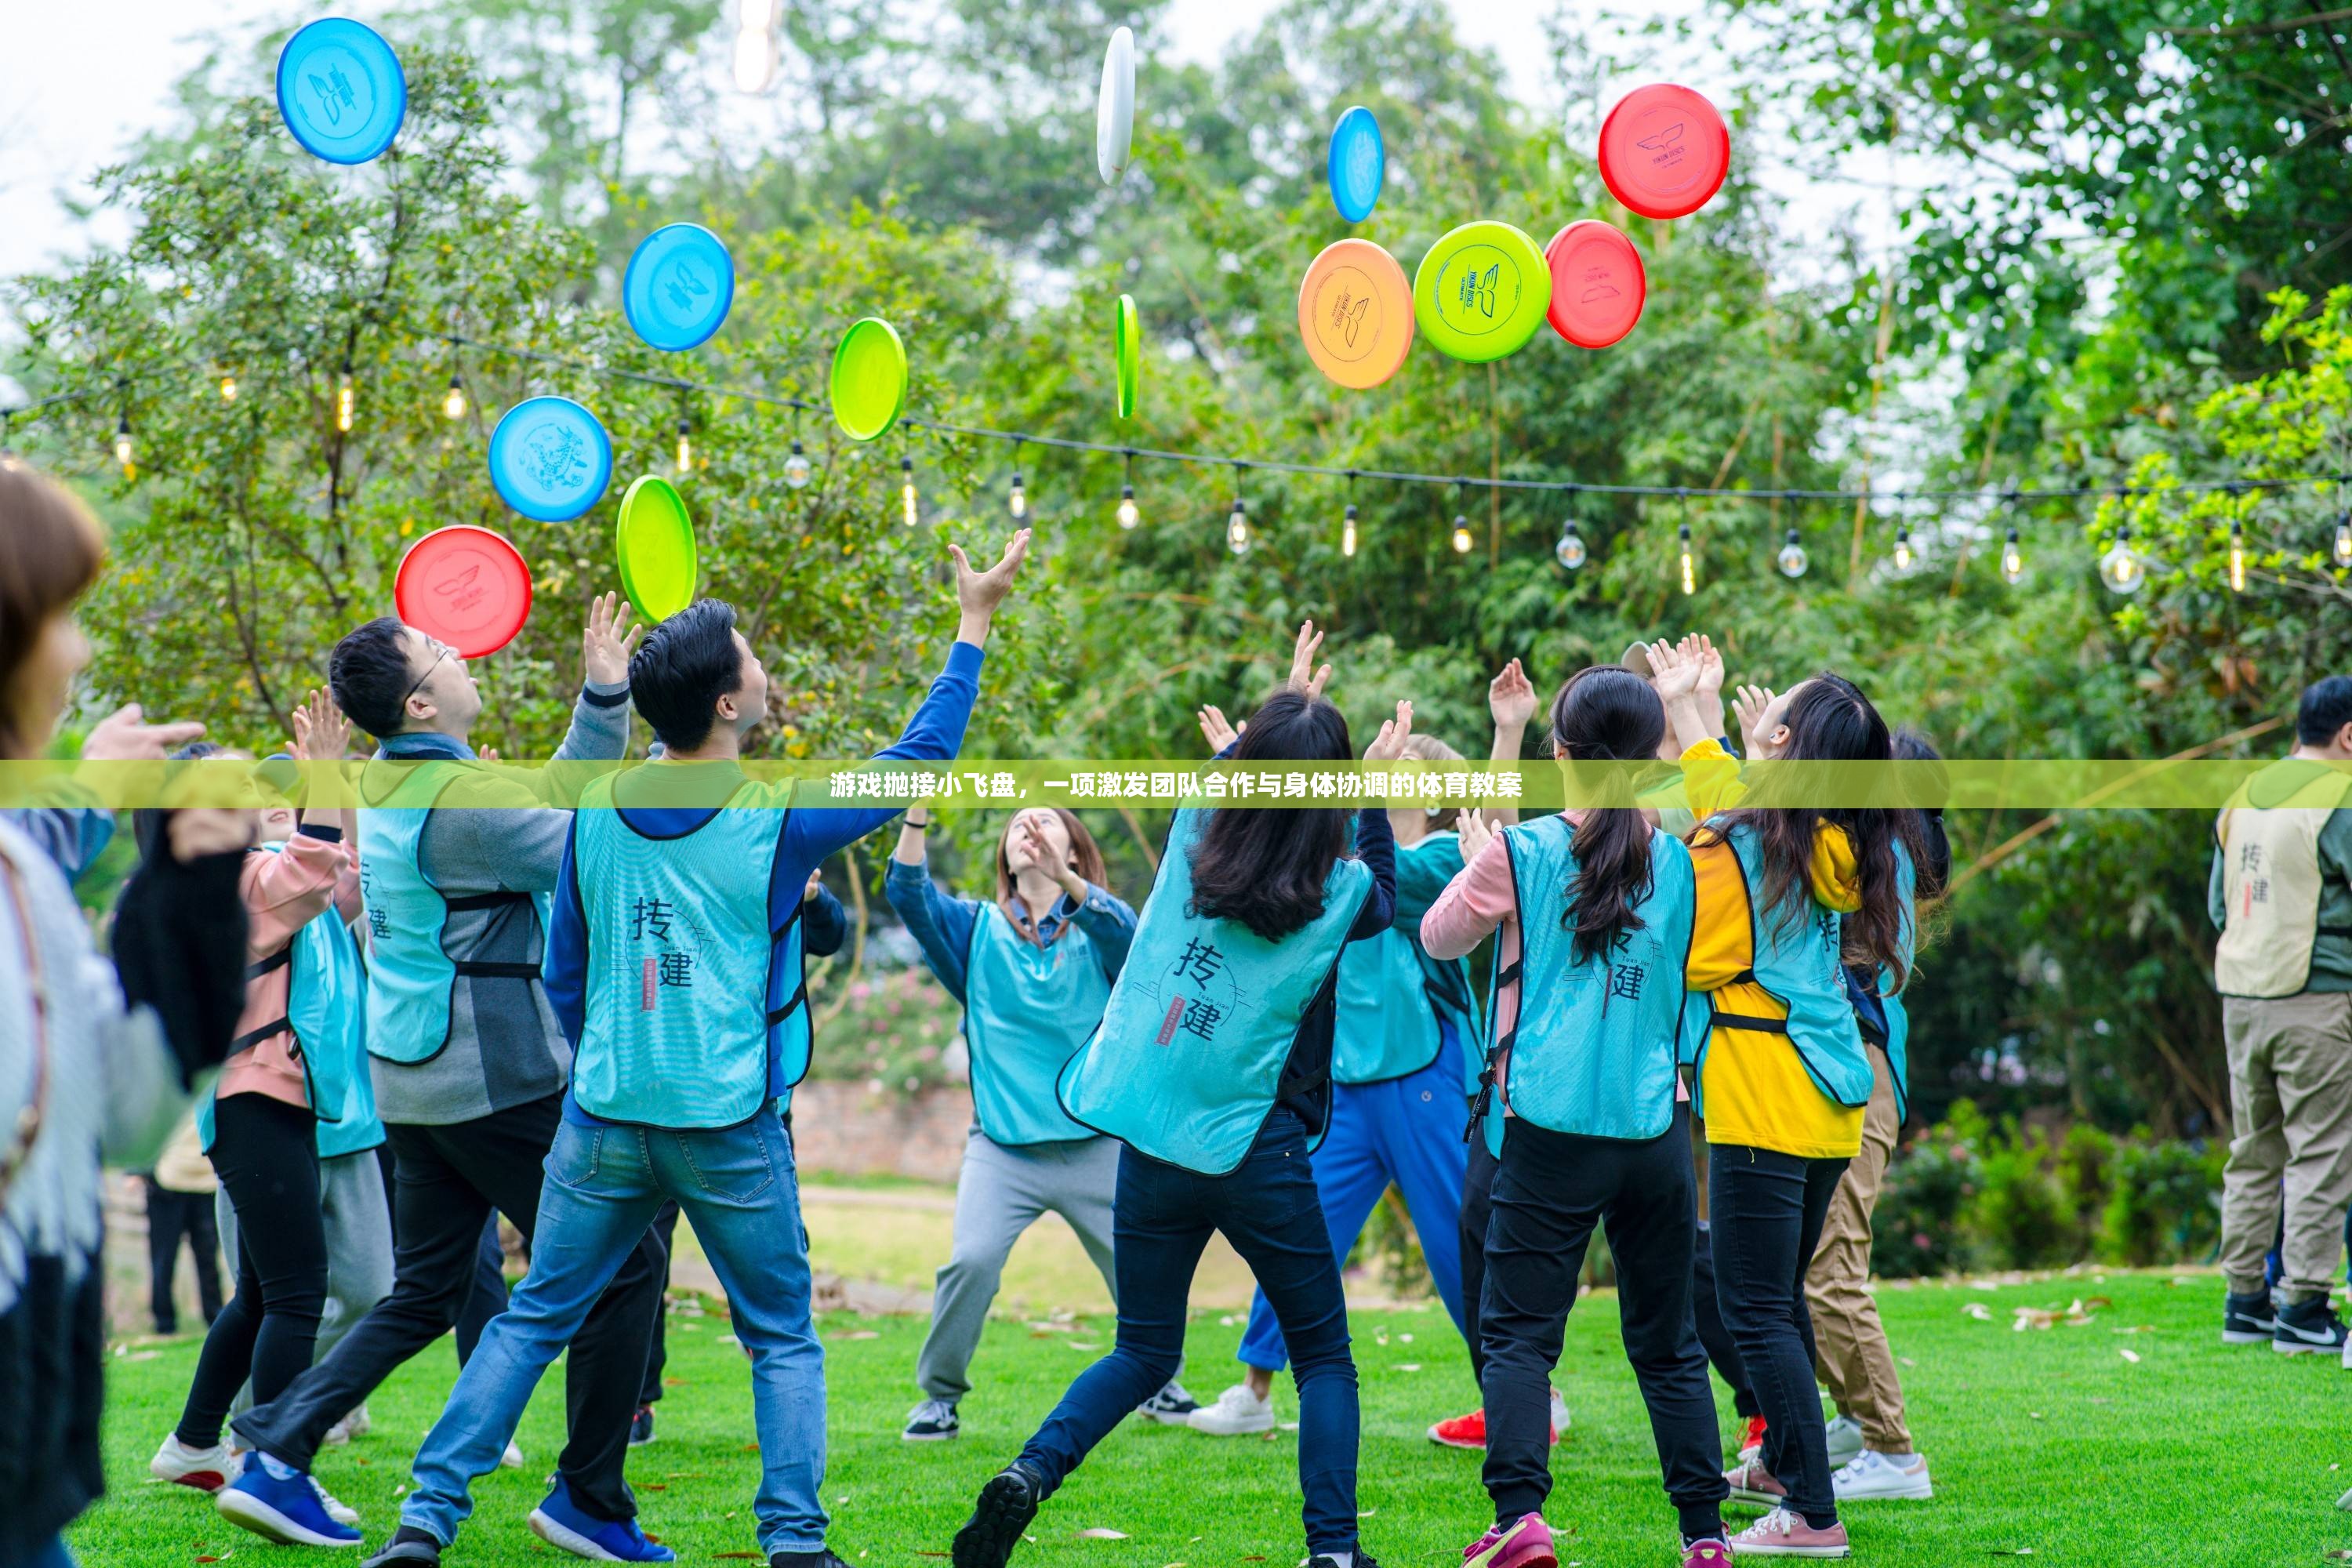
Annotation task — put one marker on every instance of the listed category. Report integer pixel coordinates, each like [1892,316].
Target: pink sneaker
[1752,1484]
[1784,1534]
[1707,1553]
[1526,1545]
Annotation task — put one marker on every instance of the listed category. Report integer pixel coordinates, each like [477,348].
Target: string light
[453,402]
[1237,528]
[2237,557]
[1690,568]
[228,386]
[1904,557]
[1017,499]
[685,445]
[2344,539]
[123,450]
[755,45]
[1461,534]
[1570,552]
[909,508]
[2120,569]
[797,468]
[1347,531]
[1791,559]
[347,400]
[1129,514]
[2012,559]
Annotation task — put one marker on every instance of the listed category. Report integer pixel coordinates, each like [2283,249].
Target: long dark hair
[1935,865]
[1607,714]
[1267,868]
[1830,719]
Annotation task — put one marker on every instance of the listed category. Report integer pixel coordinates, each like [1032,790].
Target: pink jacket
[283,892]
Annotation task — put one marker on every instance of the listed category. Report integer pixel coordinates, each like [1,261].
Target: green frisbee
[1126,329]
[869,379]
[1481,291]
[655,542]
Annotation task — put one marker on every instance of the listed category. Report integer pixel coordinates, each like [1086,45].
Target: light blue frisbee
[679,284]
[342,91]
[1358,164]
[550,459]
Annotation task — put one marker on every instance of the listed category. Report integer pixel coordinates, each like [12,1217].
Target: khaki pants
[1851,1358]
[2291,1119]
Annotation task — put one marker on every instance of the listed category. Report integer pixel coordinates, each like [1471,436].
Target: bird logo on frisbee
[1471,283]
[1481,291]
[1355,314]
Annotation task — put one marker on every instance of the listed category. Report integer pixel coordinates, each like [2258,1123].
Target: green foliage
[1930,1185]
[2165,1206]
[2020,1209]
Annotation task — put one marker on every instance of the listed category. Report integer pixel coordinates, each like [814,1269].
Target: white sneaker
[512,1458]
[1559,1414]
[342,1513]
[206,1469]
[1237,1413]
[1845,1441]
[1873,1475]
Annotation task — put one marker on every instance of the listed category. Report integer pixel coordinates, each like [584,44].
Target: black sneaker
[1001,1512]
[819,1559]
[2248,1320]
[641,1426]
[2308,1328]
[1172,1407]
[1323,1560]
[932,1421]
[408,1548]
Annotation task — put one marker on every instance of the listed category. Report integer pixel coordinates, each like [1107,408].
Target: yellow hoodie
[1754,1089]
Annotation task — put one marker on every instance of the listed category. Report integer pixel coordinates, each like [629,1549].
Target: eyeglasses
[441,650]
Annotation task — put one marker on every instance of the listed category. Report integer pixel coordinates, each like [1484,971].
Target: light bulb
[1570,552]
[1129,514]
[1018,499]
[347,398]
[797,467]
[2237,558]
[2119,568]
[453,404]
[1904,558]
[755,45]
[684,448]
[2012,559]
[906,506]
[2344,540]
[1791,559]
[1461,535]
[1690,568]
[123,448]
[1237,532]
[1347,532]
[228,388]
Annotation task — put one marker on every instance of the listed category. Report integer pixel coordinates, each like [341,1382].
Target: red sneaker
[1751,1441]
[1468,1431]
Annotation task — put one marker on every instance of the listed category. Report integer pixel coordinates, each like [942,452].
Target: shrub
[2022,1211]
[2164,1206]
[1929,1186]
[2085,1160]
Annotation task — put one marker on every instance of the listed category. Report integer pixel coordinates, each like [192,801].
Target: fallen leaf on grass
[1979,1310]
[1906,1361]
[859,1335]
[1084,1344]
[1051,1329]
[1408,1366]
[931,1554]
[1405,1338]
[1228,1322]
[2035,1414]
[653,1486]
[1100,1532]
[2338,1555]
[2005,1551]
[2129,1355]
[207,1559]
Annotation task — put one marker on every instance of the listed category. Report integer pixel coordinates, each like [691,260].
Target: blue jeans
[1162,1219]
[1407,1130]
[738,1187]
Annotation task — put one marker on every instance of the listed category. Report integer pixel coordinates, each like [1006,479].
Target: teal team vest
[1898,1017]
[1394,997]
[1027,1009]
[410,971]
[326,1009]
[696,1010]
[1797,963]
[1595,1045]
[1188,1060]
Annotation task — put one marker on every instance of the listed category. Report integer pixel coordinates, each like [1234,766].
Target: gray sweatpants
[358,1248]
[1000,1192]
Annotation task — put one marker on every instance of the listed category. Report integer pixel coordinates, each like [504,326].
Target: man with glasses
[457,860]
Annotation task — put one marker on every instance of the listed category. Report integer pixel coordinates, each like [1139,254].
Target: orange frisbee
[1355,312]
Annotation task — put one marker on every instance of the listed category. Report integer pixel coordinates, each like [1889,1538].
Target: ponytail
[1607,714]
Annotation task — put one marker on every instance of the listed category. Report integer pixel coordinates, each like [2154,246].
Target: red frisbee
[1663,150]
[1596,283]
[464,585]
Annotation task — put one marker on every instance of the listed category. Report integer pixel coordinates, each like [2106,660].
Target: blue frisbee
[342,91]
[679,286]
[550,458]
[1359,162]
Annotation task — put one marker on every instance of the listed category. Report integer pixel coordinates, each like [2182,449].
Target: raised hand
[1673,674]
[1748,705]
[815,886]
[1475,832]
[1304,676]
[1711,668]
[125,736]
[320,730]
[199,831]
[1511,697]
[1389,744]
[979,592]
[1216,732]
[608,640]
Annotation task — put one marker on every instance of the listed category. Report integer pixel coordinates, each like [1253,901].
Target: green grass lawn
[2052,1443]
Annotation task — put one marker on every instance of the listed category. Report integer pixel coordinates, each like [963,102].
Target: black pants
[487,1297]
[1765,1219]
[657,1356]
[1478,1183]
[266,1154]
[1551,1190]
[451,1180]
[1721,1353]
[170,1219]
